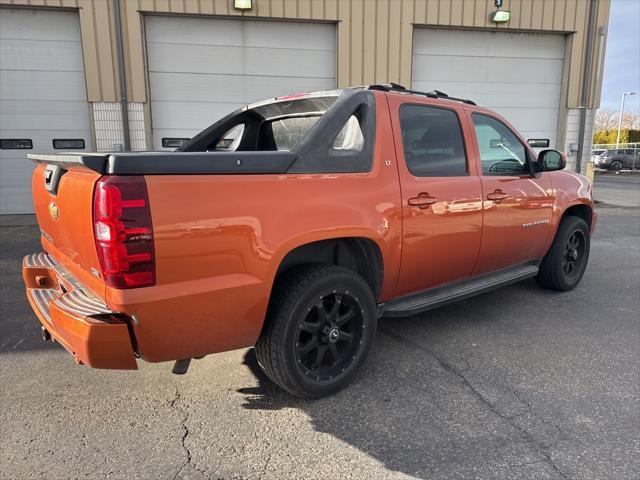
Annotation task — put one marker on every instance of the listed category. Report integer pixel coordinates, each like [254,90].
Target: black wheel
[616,165]
[566,261]
[319,330]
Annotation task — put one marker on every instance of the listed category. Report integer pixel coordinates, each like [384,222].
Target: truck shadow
[19,327]
[413,408]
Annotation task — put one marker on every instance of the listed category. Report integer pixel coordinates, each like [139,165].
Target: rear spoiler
[73,161]
[172,163]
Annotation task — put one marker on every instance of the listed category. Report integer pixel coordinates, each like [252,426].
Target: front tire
[319,330]
[564,265]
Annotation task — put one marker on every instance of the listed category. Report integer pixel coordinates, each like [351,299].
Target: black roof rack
[394,87]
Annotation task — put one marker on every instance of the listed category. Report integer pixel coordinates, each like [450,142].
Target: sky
[622,58]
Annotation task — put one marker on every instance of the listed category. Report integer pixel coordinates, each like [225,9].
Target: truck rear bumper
[81,323]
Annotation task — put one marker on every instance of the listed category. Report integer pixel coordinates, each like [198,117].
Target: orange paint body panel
[220,239]
[68,316]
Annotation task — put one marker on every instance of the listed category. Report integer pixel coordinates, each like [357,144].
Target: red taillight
[123,232]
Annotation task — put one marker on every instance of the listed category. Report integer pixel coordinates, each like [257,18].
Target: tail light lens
[123,232]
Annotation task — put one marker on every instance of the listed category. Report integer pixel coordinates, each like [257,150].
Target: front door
[441,195]
[517,206]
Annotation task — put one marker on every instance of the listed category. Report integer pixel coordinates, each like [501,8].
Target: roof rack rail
[394,87]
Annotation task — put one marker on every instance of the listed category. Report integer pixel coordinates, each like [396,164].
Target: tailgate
[62,188]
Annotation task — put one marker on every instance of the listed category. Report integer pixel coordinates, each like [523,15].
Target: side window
[231,139]
[432,141]
[350,137]
[501,152]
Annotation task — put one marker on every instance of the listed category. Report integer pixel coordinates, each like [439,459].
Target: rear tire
[319,330]
[616,165]
[563,266]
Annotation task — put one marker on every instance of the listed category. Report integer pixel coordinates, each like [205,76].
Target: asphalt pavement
[622,189]
[519,383]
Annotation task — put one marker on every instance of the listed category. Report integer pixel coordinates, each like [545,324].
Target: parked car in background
[619,158]
[320,213]
[596,153]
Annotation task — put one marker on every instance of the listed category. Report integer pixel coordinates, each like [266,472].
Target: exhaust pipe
[181,366]
[46,336]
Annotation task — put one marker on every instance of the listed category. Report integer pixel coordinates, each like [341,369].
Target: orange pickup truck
[293,224]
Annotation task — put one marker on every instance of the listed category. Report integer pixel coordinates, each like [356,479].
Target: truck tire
[563,266]
[319,331]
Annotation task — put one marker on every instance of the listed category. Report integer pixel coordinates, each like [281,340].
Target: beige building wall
[374,36]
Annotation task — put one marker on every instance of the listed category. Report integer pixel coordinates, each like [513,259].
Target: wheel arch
[581,210]
[359,254]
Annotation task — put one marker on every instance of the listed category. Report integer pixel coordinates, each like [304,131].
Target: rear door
[441,194]
[517,206]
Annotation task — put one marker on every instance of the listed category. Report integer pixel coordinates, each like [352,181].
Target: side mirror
[551,160]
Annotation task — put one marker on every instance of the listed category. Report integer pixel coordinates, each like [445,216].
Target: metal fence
[630,155]
[613,146]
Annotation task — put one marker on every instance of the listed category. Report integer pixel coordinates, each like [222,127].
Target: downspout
[586,81]
[124,104]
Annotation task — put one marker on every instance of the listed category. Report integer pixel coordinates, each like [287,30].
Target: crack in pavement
[183,441]
[539,445]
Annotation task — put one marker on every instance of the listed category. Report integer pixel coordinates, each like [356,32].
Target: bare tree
[605,120]
[608,120]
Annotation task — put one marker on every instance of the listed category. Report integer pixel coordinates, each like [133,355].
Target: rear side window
[501,152]
[350,137]
[432,141]
[231,139]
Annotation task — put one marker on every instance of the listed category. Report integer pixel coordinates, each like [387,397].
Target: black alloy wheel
[329,336]
[319,331]
[566,261]
[573,253]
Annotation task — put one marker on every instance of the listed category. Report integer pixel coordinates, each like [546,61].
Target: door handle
[497,196]
[423,200]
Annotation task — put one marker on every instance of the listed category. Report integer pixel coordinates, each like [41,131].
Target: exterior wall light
[242,4]
[500,16]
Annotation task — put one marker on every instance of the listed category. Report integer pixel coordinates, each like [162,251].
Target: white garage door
[202,69]
[519,75]
[42,95]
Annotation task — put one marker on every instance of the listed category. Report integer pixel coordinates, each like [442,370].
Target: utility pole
[620,117]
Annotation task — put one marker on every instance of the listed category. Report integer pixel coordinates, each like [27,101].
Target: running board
[435,297]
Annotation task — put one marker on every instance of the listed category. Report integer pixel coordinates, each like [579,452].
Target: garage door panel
[536,119]
[519,75]
[250,33]
[488,70]
[509,94]
[201,69]
[43,26]
[42,94]
[16,200]
[19,114]
[491,44]
[196,115]
[36,55]
[234,89]
[15,172]
[70,86]
[241,60]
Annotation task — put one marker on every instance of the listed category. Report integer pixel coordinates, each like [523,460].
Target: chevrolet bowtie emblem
[53,211]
